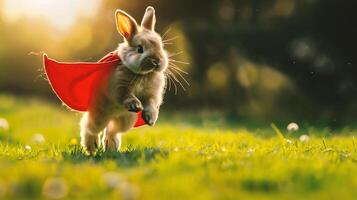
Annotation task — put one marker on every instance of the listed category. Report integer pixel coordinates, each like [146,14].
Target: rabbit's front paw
[133,105]
[150,116]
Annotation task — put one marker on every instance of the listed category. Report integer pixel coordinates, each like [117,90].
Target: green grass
[173,160]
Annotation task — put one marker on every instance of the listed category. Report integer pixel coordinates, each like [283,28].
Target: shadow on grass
[128,158]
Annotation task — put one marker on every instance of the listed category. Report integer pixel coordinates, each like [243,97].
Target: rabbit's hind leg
[116,127]
[91,124]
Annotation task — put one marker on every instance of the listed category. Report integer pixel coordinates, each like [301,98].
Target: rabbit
[137,84]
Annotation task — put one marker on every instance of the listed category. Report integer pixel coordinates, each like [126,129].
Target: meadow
[40,158]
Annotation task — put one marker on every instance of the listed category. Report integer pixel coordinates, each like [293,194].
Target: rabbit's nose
[155,61]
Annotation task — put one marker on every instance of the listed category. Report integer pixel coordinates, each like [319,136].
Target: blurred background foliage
[250,59]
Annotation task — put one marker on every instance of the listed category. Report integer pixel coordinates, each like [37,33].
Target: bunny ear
[149,19]
[126,25]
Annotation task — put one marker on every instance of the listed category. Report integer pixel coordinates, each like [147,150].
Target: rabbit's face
[143,51]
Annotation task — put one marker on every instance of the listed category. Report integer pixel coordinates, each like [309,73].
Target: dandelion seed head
[38,138]
[304,138]
[292,127]
[4,124]
[28,148]
[250,152]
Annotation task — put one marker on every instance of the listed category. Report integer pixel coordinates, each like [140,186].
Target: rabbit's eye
[140,49]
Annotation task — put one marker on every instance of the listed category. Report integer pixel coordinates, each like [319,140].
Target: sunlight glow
[62,14]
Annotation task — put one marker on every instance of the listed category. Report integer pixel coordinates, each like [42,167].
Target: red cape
[75,84]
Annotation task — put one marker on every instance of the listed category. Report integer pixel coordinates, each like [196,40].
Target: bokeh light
[62,15]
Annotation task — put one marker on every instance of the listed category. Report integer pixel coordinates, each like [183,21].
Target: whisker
[172,65]
[183,78]
[168,43]
[170,39]
[175,54]
[180,62]
[173,82]
[177,80]
[166,32]
[169,80]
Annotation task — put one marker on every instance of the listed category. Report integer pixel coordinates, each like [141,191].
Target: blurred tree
[312,42]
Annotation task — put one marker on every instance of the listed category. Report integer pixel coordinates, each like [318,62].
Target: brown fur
[136,85]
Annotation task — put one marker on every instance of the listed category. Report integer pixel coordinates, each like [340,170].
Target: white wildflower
[250,152]
[28,148]
[38,138]
[304,138]
[292,127]
[4,124]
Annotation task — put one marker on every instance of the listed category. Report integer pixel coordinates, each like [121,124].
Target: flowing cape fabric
[75,84]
